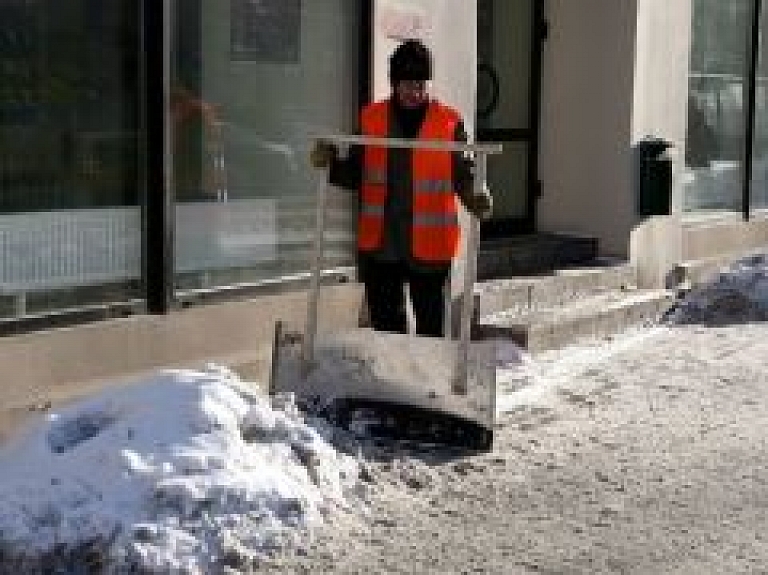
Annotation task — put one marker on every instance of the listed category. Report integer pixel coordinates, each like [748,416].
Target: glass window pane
[507,177]
[252,82]
[714,152]
[504,39]
[759,198]
[70,225]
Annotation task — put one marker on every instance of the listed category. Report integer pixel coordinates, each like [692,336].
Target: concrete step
[597,315]
[526,294]
[533,254]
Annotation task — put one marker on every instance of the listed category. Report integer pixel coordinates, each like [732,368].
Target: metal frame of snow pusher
[430,390]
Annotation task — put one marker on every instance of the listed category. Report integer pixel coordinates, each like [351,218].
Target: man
[194,121]
[408,227]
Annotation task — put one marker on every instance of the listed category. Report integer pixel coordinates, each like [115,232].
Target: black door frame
[530,136]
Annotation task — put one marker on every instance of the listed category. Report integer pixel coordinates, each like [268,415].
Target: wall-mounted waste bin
[654,189]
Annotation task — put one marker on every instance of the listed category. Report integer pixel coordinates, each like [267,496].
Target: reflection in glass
[242,122]
[504,75]
[69,140]
[714,153]
[507,177]
[504,39]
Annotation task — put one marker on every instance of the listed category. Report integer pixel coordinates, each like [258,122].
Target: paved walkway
[651,461]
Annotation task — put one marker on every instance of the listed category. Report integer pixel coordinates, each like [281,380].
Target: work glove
[323,154]
[479,203]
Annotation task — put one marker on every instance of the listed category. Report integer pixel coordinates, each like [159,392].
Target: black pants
[385,293]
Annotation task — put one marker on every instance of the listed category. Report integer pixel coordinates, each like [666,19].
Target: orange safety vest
[435,222]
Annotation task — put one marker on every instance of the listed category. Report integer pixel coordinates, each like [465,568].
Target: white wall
[661,75]
[660,109]
[587,98]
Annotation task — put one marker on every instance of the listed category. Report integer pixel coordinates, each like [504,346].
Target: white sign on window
[222,235]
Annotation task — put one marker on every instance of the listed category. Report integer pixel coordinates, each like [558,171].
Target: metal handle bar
[487,148]
[461,373]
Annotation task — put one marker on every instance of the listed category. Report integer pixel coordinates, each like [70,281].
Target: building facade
[689,72]
[153,154]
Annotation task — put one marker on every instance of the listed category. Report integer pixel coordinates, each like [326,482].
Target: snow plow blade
[392,386]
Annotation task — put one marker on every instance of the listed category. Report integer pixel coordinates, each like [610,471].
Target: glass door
[509,36]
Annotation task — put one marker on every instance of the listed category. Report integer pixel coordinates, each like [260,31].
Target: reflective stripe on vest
[435,222]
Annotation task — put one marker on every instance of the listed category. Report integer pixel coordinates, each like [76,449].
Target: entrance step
[533,254]
[544,327]
[554,310]
[558,288]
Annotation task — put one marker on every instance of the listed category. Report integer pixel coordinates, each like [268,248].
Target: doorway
[510,34]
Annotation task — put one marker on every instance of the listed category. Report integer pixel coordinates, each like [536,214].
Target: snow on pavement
[181,472]
[737,294]
[641,454]
[537,382]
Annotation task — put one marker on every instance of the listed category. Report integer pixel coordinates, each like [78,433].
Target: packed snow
[190,472]
[738,294]
[182,472]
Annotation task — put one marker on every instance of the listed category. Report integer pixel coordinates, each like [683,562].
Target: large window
[70,222]
[718,83]
[727,141]
[251,82]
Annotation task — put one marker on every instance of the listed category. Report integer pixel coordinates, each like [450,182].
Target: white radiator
[47,250]
[66,248]
[224,235]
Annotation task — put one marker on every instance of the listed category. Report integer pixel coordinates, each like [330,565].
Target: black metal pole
[365,62]
[158,205]
[750,105]
[540,33]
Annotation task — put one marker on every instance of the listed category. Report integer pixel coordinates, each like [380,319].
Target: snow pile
[738,294]
[187,472]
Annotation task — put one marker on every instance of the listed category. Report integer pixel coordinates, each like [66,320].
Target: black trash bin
[654,190]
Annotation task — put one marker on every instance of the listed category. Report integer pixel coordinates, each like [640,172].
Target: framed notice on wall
[266,30]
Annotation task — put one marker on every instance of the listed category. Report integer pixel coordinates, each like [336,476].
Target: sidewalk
[644,453]
[650,461]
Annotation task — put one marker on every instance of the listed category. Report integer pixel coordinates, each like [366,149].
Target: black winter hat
[411,60]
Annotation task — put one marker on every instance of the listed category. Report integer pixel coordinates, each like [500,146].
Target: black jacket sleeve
[347,172]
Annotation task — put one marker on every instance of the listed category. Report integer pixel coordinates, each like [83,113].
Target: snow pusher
[398,386]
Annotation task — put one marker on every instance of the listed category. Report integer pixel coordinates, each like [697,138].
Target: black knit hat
[411,60]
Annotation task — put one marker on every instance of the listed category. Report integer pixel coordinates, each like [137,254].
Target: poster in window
[266,30]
